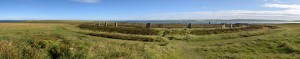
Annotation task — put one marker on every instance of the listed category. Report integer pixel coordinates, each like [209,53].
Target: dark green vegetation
[131,37]
[126,30]
[141,25]
[65,40]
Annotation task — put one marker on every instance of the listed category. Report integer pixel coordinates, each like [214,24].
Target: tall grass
[130,37]
[52,41]
[224,36]
[220,31]
[126,30]
[61,41]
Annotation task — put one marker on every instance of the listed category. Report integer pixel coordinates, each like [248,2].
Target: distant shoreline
[3,21]
[179,21]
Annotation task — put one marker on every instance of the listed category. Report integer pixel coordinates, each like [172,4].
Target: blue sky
[148,9]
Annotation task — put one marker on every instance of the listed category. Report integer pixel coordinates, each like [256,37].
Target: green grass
[125,30]
[52,41]
[66,41]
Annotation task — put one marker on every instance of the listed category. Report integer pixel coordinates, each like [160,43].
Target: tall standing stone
[148,25]
[224,26]
[189,26]
[99,23]
[105,24]
[116,24]
[231,26]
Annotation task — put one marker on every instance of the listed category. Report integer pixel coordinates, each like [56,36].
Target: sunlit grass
[40,41]
[65,41]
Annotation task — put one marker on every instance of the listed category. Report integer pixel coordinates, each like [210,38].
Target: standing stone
[148,25]
[209,23]
[224,26]
[99,24]
[231,26]
[116,24]
[105,24]
[189,26]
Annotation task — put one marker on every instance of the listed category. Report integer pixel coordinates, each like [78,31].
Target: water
[211,22]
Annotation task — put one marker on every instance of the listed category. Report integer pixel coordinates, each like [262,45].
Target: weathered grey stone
[148,25]
[189,26]
[99,23]
[105,24]
[116,24]
[231,26]
[224,26]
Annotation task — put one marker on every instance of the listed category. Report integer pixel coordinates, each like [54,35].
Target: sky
[148,9]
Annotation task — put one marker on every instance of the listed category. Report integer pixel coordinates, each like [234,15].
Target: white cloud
[289,12]
[87,1]
[277,1]
[282,6]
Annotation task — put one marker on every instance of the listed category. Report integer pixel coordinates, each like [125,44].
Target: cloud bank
[288,12]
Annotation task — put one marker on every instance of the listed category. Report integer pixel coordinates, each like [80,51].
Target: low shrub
[127,30]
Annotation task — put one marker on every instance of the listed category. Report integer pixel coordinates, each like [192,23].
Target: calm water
[212,22]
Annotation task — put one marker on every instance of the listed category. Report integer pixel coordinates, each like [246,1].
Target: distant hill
[11,20]
[296,21]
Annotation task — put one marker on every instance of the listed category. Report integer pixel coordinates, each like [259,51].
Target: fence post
[148,25]
[189,26]
[116,24]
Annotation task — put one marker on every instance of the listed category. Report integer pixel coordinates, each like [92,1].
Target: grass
[52,41]
[67,41]
[281,44]
[126,30]
[220,31]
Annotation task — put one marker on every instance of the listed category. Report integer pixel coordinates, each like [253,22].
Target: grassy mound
[130,37]
[219,31]
[50,41]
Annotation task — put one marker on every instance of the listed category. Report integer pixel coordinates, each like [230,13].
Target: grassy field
[67,41]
